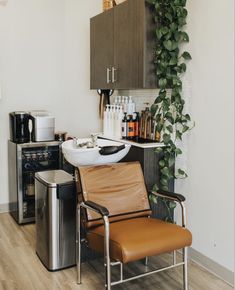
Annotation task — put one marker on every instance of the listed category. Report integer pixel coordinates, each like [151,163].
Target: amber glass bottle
[107,4]
[130,128]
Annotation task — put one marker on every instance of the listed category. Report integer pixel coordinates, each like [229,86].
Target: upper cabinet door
[101,50]
[127,52]
[129,56]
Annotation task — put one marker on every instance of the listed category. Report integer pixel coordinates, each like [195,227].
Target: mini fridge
[55,196]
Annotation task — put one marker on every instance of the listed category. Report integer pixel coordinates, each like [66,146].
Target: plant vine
[168,109]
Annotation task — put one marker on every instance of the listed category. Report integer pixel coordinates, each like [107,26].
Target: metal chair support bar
[147,274]
[171,197]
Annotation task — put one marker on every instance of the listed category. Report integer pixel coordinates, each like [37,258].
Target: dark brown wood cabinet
[149,160]
[122,47]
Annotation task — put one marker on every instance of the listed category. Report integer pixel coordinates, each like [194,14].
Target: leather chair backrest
[119,187]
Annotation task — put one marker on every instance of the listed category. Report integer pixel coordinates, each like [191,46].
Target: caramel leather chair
[114,206]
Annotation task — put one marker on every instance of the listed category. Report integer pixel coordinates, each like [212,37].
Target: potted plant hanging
[168,109]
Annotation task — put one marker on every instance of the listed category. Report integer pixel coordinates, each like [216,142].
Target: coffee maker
[19,127]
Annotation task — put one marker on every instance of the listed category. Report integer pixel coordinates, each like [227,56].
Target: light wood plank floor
[20,268]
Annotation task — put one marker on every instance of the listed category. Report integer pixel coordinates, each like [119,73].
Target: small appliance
[43,126]
[24,161]
[19,127]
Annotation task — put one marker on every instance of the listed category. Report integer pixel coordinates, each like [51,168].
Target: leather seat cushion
[134,239]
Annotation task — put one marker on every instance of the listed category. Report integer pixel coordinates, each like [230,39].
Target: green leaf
[165,171]
[155,187]
[159,127]
[158,51]
[158,100]
[182,21]
[162,163]
[184,36]
[158,118]
[173,27]
[188,117]
[186,55]
[154,199]
[178,151]
[164,181]
[157,6]
[183,67]
[170,128]
[172,204]
[178,135]
[184,13]
[169,117]
[170,45]
[182,173]
[158,150]
[164,30]
[162,83]
[185,129]
[169,17]
[154,109]
[159,34]
[173,61]
[166,138]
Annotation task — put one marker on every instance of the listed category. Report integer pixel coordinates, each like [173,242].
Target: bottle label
[136,129]
[131,129]
[124,129]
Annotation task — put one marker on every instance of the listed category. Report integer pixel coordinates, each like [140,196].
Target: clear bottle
[105,122]
[126,105]
[119,122]
[108,120]
[112,120]
[131,106]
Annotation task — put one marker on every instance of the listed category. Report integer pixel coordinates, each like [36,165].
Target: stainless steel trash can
[55,196]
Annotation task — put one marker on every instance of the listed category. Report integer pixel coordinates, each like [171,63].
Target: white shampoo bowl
[91,156]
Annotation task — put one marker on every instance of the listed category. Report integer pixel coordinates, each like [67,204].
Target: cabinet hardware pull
[108,72]
[113,74]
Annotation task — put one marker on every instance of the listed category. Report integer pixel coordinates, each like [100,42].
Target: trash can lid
[53,178]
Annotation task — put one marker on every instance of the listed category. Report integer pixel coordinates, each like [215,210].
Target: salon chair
[114,212]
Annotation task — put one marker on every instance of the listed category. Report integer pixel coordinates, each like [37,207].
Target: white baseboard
[212,266]
[4,207]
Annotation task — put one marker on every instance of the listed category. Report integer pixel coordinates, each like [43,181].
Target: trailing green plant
[168,109]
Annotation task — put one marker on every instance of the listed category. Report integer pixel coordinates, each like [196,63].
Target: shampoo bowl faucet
[94,137]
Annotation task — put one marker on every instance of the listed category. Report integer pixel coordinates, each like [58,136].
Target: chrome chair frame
[96,208]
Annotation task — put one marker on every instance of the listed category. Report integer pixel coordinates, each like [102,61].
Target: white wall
[210,186]
[44,64]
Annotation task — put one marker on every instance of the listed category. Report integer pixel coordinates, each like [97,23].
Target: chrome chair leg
[107,255]
[78,244]
[146,260]
[185,268]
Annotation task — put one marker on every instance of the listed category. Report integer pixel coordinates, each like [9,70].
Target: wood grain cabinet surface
[122,47]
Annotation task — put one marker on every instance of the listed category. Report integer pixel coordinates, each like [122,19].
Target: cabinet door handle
[113,74]
[107,75]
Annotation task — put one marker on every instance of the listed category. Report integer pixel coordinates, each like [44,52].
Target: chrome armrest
[175,197]
[103,211]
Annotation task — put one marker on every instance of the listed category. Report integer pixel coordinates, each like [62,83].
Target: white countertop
[133,143]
